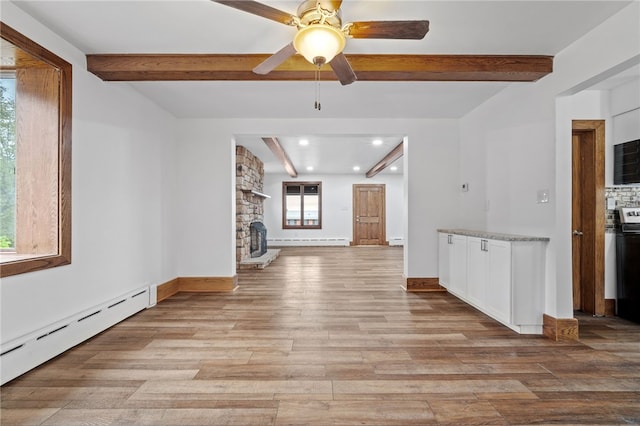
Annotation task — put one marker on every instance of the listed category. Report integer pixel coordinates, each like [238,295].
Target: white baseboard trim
[310,242]
[27,352]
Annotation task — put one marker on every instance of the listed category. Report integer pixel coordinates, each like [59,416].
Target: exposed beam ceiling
[179,67]
[277,149]
[388,159]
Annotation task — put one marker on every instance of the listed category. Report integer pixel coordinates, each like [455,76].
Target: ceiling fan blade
[343,70]
[269,64]
[260,9]
[413,30]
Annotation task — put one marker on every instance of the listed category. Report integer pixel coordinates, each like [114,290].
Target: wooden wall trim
[166,290]
[423,284]
[36,161]
[610,307]
[558,329]
[196,285]
[208,284]
[64,130]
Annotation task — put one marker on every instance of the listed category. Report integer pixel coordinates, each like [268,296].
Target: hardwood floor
[328,336]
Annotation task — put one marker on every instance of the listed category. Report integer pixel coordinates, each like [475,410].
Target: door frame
[592,255]
[383,221]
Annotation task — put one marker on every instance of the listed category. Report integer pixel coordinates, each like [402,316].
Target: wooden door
[576,221]
[588,216]
[369,215]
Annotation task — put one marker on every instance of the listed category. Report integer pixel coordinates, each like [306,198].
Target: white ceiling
[200,26]
[326,154]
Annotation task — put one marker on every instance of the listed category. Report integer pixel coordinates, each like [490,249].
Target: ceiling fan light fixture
[319,43]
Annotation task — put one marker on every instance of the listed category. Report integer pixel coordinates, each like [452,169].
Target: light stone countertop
[492,235]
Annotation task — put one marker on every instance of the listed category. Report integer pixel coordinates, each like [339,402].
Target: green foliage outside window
[7,162]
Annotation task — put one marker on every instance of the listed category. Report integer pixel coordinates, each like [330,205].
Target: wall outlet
[543,196]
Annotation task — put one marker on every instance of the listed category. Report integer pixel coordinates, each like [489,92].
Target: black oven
[628,271]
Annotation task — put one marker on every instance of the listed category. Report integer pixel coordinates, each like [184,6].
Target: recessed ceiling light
[356,168]
[309,168]
[377,142]
[303,142]
[393,168]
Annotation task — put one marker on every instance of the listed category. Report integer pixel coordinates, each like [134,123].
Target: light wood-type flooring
[328,336]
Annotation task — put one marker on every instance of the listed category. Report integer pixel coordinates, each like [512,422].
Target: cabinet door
[443,259]
[458,266]
[476,271]
[499,280]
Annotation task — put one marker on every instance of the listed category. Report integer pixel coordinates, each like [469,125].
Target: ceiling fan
[321,36]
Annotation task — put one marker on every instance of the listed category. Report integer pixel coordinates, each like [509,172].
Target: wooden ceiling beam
[388,159]
[276,147]
[180,67]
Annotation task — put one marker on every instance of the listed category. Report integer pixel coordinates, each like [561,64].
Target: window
[301,205]
[35,156]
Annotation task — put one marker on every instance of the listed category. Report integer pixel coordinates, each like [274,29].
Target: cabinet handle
[450,239]
[483,245]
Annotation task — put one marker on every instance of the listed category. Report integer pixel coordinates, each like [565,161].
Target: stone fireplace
[249,202]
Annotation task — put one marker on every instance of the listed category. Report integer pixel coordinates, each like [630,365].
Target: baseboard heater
[26,352]
[312,242]
[396,241]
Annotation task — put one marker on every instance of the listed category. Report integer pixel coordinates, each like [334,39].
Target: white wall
[205,159]
[337,208]
[620,108]
[506,156]
[121,199]
[206,180]
[520,141]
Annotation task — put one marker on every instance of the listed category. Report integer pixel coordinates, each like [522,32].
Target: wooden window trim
[284,205]
[63,257]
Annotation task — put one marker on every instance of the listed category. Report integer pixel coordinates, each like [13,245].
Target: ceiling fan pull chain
[318,106]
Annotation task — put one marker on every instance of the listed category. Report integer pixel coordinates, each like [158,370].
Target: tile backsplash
[625,196]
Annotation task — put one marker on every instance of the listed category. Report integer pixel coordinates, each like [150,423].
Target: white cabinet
[458,264]
[452,262]
[489,276]
[477,270]
[499,283]
[444,242]
[504,278]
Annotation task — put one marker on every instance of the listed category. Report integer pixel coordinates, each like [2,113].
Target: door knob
[577,233]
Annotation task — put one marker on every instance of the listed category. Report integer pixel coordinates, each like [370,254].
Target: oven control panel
[630,215]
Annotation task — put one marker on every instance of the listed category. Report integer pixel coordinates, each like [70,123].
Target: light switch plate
[465,187]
